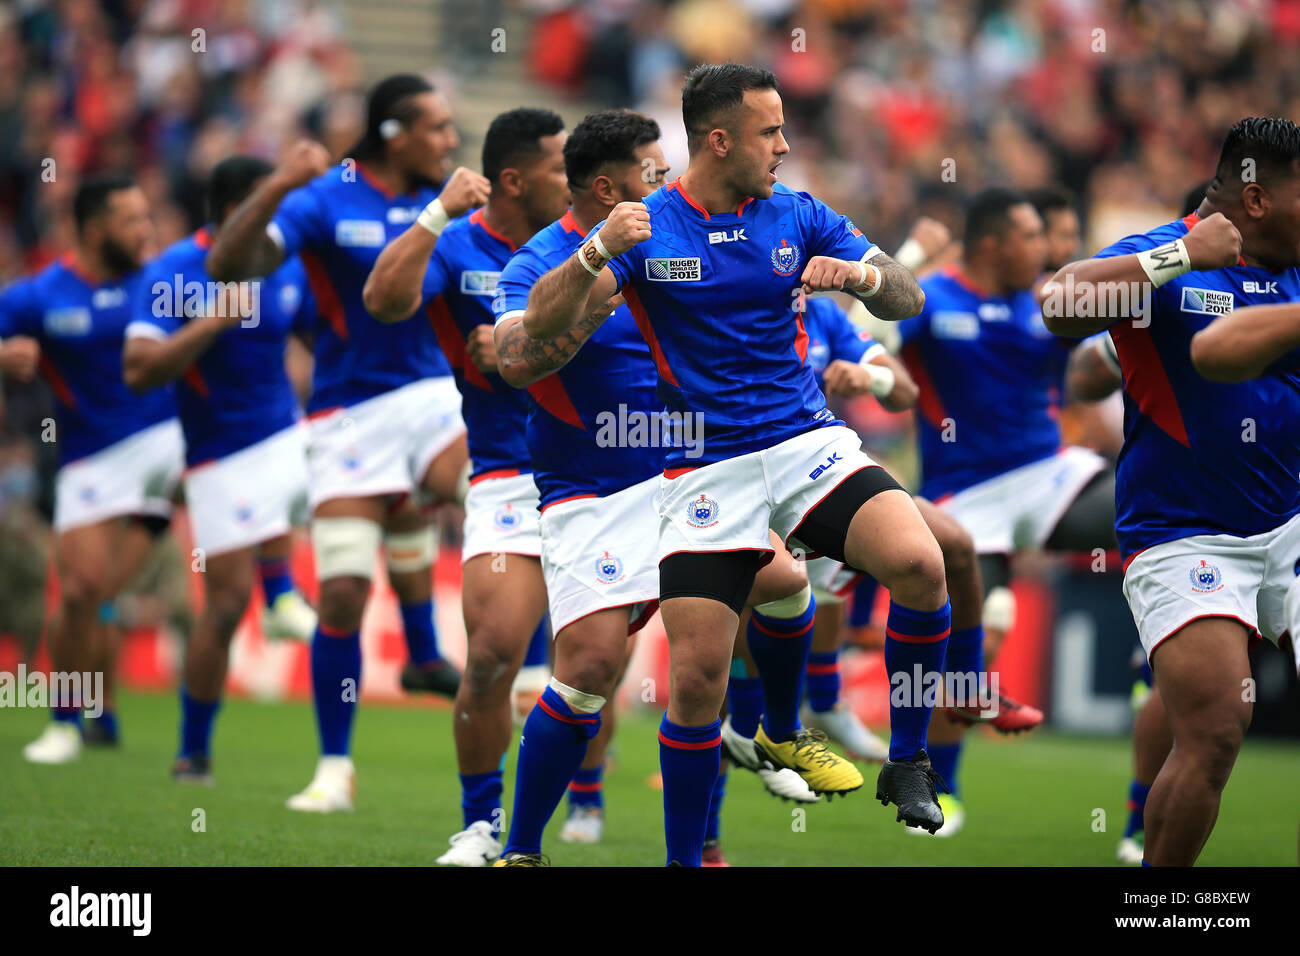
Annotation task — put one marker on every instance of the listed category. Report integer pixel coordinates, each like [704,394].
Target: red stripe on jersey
[1146,381]
[322,412]
[549,393]
[800,337]
[328,303]
[648,333]
[928,402]
[677,185]
[478,219]
[560,501]
[452,343]
[965,281]
[203,238]
[58,384]
[498,473]
[678,472]
[745,202]
[197,383]
[569,224]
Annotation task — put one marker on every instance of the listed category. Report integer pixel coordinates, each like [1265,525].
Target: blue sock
[864,601]
[945,759]
[965,656]
[107,723]
[67,715]
[480,797]
[421,638]
[823,677]
[335,659]
[689,760]
[275,576]
[915,646]
[711,827]
[1145,863]
[744,703]
[780,650]
[551,749]
[1137,805]
[196,724]
[539,646]
[586,789]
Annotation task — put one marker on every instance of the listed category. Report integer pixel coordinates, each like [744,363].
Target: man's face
[757,143]
[123,232]
[544,186]
[638,180]
[1282,224]
[425,146]
[1063,236]
[1022,250]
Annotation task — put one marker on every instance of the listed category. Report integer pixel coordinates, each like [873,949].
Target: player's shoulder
[1141,241]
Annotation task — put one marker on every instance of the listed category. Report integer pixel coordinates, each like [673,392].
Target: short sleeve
[516,282]
[300,222]
[1129,245]
[19,314]
[151,311]
[845,340]
[304,318]
[437,273]
[827,233]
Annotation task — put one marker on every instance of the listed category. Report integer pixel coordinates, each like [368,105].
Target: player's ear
[512,182]
[1254,200]
[719,142]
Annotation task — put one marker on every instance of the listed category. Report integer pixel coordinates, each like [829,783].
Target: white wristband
[581,256]
[434,218]
[868,293]
[600,247]
[1166,262]
[882,380]
[911,255]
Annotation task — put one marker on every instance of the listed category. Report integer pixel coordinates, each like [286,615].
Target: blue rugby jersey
[466,264]
[574,436]
[339,223]
[1202,457]
[715,297]
[80,325]
[987,366]
[237,392]
[832,337]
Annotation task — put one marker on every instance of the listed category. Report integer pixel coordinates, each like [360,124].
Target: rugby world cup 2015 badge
[702,512]
[609,569]
[506,518]
[785,259]
[1206,578]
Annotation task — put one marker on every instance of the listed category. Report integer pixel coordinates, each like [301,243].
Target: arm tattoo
[544,356]
[899,297]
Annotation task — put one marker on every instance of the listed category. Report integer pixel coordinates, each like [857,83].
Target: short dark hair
[609,136]
[94,193]
[515,135]
[988,213]
[231,180]
[1051,199]
[390,98]
[713,90]
[1272,143]
[1194,197]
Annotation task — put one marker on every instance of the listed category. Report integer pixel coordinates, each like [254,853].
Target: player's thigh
[592,652]
[442,476]
[1203,673]
[228,581]
[136,544]
[782,577]
[954,541]
[85,555]
[889,540]
[701,632]
[504,598]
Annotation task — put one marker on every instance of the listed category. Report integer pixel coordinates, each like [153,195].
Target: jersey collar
[373,182]
[478,219]
[70,262]
[568,223]
[953,271]
[203,237]
[676,186]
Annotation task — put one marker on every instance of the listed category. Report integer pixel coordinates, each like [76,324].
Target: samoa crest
[506,518]
[702,512]
[1206,578]
[609,568]
[785,259]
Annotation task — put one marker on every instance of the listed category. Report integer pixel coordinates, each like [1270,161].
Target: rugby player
[709,267]
[1206,495]
[245,446]
[120,454]
[384,414]
[453,272]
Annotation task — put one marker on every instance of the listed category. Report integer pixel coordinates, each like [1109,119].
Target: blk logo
[736,235]
[825,466]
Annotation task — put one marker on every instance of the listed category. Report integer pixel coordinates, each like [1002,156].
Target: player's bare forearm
[899,297]
[1242,344]
[563,297]
[522,359]
[241,248]
[1087,376]
[149,363]
[395,286]
[1091,295]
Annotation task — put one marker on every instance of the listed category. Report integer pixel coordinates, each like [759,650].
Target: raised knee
[487,666]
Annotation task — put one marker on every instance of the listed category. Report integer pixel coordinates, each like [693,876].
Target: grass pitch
[1031,801]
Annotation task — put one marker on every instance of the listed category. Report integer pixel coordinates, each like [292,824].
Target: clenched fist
[628,224]
[1213,243]
[305,161]
[463,191]
[19,357]
[481,348]
[825,274]
[932,235]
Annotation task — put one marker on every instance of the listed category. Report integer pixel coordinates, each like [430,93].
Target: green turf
[1029,801]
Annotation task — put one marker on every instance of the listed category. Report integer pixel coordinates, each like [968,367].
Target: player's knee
[342,602]
[81,588]
[700,685]
[593,673]
[957,547]
[915,575]
[1217,750]
[488,663]
[225,602]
